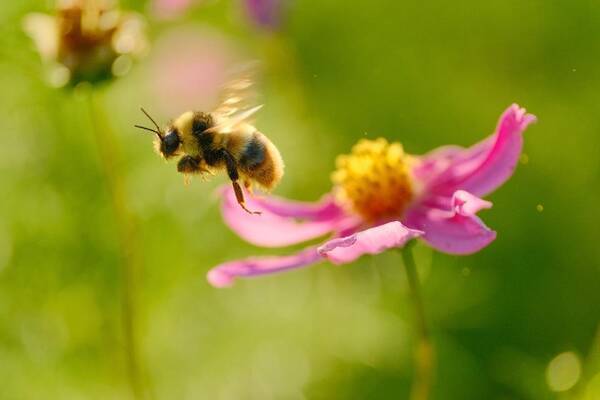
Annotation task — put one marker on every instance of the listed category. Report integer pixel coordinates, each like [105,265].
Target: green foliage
[423,73]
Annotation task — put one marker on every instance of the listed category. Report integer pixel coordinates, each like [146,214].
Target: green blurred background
[335,71]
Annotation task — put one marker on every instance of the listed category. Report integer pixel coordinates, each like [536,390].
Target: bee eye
[170,143]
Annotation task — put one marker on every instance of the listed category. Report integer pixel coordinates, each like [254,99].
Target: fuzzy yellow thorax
[374,180]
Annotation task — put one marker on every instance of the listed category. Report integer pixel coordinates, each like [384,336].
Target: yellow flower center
[374,180]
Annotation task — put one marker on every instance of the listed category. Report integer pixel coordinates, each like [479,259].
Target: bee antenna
[149,129]
[157,131]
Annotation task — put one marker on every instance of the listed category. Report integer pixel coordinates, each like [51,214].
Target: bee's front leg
[188,165]
[234,176]
[192,165]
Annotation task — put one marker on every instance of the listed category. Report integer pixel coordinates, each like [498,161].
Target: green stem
[109,159]
[424,352]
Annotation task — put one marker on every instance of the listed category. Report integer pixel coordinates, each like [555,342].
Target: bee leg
[240,198]
[234,176]
[189,165]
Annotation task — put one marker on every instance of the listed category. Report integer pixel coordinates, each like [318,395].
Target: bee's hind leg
[234,176]
[239,195]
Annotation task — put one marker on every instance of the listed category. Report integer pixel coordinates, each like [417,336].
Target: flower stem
[109,159]
[424,352]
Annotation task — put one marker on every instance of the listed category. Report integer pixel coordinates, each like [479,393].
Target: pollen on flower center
[374,180]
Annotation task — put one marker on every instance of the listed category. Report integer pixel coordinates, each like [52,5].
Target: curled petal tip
[467,204]
[219,279]
[483,167]
[520,115]
[529,119]
[370,241]
[341,242]
[454,232]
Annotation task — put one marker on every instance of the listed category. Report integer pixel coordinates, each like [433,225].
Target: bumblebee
[224,139]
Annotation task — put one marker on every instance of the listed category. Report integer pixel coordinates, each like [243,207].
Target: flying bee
[224,139]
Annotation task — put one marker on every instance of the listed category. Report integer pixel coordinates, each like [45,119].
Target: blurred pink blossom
[188,69]
[381,199]
[266,13]
[170,8]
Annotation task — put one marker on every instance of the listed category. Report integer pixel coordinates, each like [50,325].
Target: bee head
[167,144]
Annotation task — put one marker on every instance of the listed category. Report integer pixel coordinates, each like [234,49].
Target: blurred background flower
[92,41]
[86,40]
[267,14]
[171,8]
[188,67]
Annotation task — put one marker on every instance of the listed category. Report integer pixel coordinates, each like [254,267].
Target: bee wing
[238,100]
[228,124]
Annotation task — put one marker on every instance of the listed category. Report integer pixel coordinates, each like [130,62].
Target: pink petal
[271,229]
[483,167]
[324,209]
[223,275]
[466,204]
[436,161]
[370,241]
[454,231]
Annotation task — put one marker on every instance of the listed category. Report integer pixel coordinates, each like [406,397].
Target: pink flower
[170,8]
[265,13]
[383,198]
[191,62]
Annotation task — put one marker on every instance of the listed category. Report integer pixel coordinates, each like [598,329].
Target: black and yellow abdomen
[261,162]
